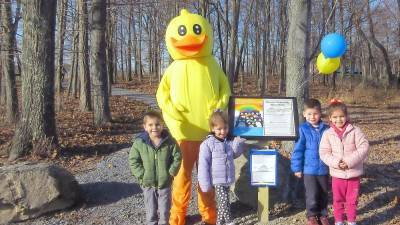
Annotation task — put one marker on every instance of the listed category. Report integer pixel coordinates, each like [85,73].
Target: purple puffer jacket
[216,161]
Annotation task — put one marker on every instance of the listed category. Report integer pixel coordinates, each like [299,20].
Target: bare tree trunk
[62,13]
[391,78]
[297,71]
[38,117]
[298,52]
[342,31]
[244,42]
[398,39]
[100,97]
[85,94]
[266,47]
[282,38]
[204,8]
[129,57]
[333,29]
[110,54]
[7,61]
[221,45]
[139,52]
[227,27]
[2,89]
[234,37]
[121,52]
[135,48]
[74,65]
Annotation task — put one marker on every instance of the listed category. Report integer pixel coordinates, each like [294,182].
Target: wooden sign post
[263,169]
[263,204]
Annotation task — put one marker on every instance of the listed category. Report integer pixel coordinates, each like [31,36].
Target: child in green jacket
[155,159]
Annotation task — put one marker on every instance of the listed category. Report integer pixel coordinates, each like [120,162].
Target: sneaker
[339,223]
[312,220]
[324,220]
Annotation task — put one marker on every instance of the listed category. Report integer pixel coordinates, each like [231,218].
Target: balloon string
[331,13]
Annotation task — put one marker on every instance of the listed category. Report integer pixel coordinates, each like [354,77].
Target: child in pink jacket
[343,148]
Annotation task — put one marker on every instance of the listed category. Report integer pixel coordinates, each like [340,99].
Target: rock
[29,190]
[283,193]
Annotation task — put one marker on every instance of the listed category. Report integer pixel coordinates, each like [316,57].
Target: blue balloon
[333,45]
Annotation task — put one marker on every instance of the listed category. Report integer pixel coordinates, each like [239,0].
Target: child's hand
[343,165]
[239,139]
[298,174]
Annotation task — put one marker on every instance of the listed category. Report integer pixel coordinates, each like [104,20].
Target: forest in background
[250,43]
[60,60]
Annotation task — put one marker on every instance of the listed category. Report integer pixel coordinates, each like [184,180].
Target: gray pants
[316,195]
[157,199]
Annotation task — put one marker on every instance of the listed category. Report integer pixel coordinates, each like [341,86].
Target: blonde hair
[218,116]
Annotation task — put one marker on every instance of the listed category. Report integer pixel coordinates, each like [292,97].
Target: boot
[312,220]
[324,220]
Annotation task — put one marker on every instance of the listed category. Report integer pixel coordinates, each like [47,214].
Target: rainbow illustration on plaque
[264,117]
[248,117]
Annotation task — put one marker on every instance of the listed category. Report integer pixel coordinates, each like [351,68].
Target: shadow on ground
[104,193]
[93,150]
[382,208]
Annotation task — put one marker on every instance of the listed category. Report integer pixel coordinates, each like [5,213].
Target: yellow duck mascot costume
[192,87]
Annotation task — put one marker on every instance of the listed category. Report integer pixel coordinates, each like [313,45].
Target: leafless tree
[38,117]
[99,69]
[7,58]
[83,60]
[60,69]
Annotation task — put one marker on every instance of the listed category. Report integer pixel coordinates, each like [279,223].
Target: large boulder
[284,193]
[29,190]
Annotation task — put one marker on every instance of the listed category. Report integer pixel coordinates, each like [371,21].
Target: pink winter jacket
[352,149]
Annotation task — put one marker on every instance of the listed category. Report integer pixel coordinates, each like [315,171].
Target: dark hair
[312,103]
[218,116]
[152,114]
[333,106]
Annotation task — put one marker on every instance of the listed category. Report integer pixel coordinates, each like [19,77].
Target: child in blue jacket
[305,162]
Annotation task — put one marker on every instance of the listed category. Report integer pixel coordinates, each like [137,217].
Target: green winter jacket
[154,167]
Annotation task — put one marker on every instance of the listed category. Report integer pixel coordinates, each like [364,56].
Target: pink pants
[345,195]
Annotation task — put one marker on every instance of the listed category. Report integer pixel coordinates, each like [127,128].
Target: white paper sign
[278,117]
[263,168]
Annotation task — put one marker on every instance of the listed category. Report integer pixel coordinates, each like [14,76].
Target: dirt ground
[81,145]
[377,112]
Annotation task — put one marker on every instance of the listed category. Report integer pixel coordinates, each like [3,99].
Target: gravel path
[112,195]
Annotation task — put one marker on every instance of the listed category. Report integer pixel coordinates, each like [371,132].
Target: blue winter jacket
[305,157]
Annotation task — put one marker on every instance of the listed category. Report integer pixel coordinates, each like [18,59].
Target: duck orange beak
[189,45]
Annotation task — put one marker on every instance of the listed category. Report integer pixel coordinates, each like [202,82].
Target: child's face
[312,115]
[338,118]
[153,127]
[220,130]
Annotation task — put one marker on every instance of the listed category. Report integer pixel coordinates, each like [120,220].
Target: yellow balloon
[327,65]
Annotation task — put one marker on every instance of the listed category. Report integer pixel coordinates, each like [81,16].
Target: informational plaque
[267,118]
[263,167]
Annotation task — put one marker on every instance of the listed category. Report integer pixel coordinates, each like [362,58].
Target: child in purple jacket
[216,168]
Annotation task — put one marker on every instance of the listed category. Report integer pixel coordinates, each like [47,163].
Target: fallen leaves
[81,144]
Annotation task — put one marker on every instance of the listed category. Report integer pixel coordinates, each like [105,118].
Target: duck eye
[197,29]
[181,30]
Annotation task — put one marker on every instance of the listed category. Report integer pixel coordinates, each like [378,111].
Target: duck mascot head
[192,87]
